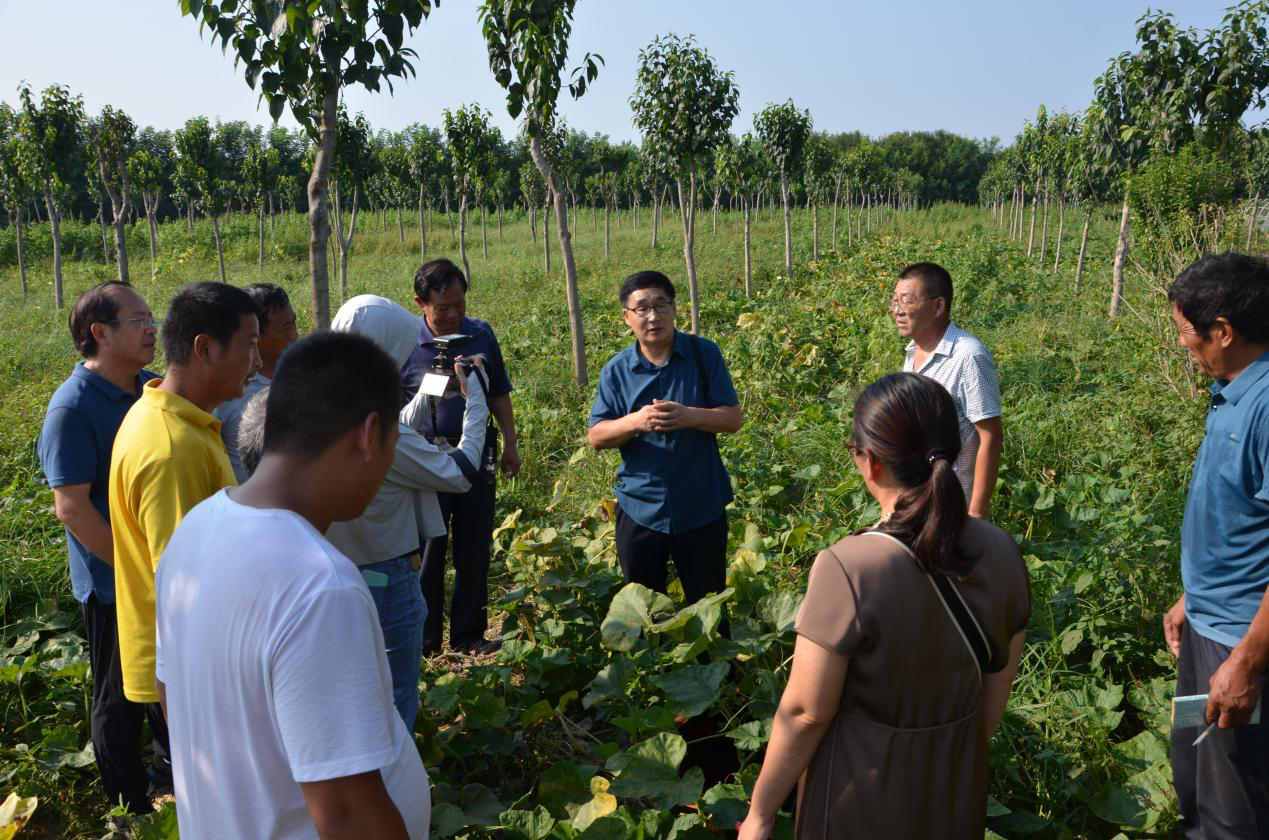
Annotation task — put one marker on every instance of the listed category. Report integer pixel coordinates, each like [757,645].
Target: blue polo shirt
[1225,534]
[668,481]
[449,414]
[75,443]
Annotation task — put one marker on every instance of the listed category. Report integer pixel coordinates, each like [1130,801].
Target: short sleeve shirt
[668,481]
[230,416]
[963,366]
[1225,532]
[449,413]
[79,430]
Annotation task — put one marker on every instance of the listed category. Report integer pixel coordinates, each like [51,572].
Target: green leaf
[726,804]
[447,819]
[779,609]
[528,825]
[691,690]
[631,611]
[751,735]
[649,770]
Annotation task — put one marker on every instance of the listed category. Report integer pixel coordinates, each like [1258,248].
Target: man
[270,658]
[661,401]
[922,310]
[113,330]
[168,455]
[277,332]
[440,291]
[1219,628]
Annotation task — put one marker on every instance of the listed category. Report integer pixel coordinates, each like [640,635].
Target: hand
[1173,622]
[645,419]
[478,360]
[754,828]
[510,460]
[670,416]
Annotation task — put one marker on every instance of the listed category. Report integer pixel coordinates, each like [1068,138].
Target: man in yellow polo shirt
[168,455]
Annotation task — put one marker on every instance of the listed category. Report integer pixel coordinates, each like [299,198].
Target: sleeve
[168,490]
[1020,595]
[421,465]
[721,390]
[499,384]
[1260,448]
[66,448]
[829,615]
[981,388]
[607,406]
[327,667]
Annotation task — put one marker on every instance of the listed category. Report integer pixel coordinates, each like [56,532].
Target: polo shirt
[449,413]
[1225,532]
[168,457]
[230,416]
[79,431]
[668,481]
[963,366]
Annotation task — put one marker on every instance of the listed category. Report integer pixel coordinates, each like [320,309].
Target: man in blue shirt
[1219,628]
[440,291]
[114,330]
[662,401]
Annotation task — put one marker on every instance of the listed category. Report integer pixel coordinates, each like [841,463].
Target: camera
[443,366]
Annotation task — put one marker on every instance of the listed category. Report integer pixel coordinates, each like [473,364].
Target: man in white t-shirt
[922,311]
[270,660]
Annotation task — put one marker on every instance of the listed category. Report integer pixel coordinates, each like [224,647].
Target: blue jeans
[402,612]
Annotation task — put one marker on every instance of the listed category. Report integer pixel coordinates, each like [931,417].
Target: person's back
[261,616]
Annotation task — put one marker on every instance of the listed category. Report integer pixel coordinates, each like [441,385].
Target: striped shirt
[963,366]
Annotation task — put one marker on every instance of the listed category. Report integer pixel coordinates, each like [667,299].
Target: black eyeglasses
[662,307]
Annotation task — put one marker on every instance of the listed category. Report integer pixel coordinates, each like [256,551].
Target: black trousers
[1222,785]
[700,556]
[469,522]
[115,721]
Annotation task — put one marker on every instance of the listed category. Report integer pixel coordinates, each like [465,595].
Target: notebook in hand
[1191,711]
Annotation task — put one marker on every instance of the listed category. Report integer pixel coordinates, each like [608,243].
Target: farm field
[597,720]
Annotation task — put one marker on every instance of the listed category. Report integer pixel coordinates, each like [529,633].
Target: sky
[975,68]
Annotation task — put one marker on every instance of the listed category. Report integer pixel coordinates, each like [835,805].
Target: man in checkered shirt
[922,310]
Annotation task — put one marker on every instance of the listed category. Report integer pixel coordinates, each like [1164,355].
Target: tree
[15,189]
[426,167]
[528,46]
[395,175]
[111,137]
[782,130]
[301,54]
[684,106]
[740,166]
[469,137]
[1256,173]
[146,171]
[817,176]
[48,151]
[202,166]
[353,167]
[533,191]
[259,171]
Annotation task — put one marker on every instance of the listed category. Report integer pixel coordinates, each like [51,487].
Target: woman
[888,711]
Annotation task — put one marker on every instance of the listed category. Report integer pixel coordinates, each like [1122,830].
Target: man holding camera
[440,290]
[662,401]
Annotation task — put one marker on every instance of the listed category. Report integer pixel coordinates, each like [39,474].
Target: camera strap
[695,341]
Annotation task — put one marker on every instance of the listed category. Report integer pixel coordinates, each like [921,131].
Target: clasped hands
[663,416]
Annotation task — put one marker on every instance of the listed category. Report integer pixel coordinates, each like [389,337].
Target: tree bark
[422,227]
[607,230]
[462,234]
[484,233]
[837,195]
[1121,257]
[745,202]
[17,225]
[1031,235]
[1251,222]
[687,212]
[118,208]
[318,212]
[1079,263]
[220,251]
[788,228]
[546,235]
[400,227]
[260,238]
[1057,249]
[815,231]
[1044,231]
[56,226]
[570,267]
[656,218]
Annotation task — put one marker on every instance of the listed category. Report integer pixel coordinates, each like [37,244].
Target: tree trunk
[1121,257]
[1057,249]
[101,225]
[1079,263]
[17,226]
[533,223]
[220,251]
[1044,231]
[1251,222]
[422,228]
[462,234]
[345,243]
[656,218]
[815,231]
[546,237]
[745,202]
[1031,235]
[272,218]
[570,267]
[118,208]
[499,222]
[837,195]
[400,227]
[687,212]
[260,238]
[484,233]
[788,228]
[318,213]
[714,222]
[607,230]
[55,225]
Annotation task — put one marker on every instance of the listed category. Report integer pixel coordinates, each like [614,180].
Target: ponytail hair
[908,422]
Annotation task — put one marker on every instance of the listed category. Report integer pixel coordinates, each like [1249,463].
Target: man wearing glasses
[937,348]
[114,332]
[662,401]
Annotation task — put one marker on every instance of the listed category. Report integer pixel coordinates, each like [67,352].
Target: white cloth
[963,366]
[270,650]
[230,416]
[406,505]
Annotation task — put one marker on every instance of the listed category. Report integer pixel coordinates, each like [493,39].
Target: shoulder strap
[695,341]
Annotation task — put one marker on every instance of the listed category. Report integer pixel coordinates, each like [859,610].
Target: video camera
[440,379]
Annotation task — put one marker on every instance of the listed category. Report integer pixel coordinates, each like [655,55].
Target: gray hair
[251,431]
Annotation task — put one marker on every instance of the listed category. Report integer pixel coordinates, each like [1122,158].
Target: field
[571,730]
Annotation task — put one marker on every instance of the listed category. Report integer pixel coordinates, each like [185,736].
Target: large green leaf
[692,689]
[649,770]
[631,611]
[528,825]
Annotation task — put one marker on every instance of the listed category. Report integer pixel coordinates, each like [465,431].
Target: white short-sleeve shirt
[270,650]
[963,366]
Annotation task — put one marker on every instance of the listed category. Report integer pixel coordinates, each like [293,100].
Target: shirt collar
[945,345]
[638,361]
[1231,390]
[110,389]
[425,332]
[178,405]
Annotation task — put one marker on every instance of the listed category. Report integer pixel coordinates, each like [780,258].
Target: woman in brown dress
[897,685]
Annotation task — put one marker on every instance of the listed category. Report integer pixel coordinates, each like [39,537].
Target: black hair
[98,305]
[206,308]
[936,282]
[437,276]
[908,422]
[1229,285]
[645,280]
[269,298]
[327,384]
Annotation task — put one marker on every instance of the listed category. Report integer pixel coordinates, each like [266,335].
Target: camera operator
[440,290]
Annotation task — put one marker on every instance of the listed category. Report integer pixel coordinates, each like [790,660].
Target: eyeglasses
[662,307]
[143,321]
[902,306]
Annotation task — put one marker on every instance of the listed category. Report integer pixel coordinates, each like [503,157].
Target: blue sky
[976,68]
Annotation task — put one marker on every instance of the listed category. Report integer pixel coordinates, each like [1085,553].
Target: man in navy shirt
[661,401]
[1219,628]
[440,290]
[114,330]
